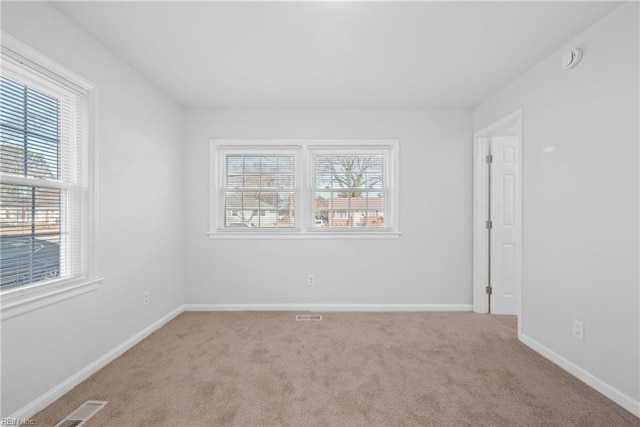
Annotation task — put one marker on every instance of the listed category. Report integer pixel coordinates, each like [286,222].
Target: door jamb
[480,205]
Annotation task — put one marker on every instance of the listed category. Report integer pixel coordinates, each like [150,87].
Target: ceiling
[332,54]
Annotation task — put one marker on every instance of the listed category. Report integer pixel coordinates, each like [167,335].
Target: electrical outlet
[145,298]
[578,329]
[311,280]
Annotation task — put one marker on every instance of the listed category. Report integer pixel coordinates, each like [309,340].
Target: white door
[505,229]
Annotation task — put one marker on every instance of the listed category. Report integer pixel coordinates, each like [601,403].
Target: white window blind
[44,188]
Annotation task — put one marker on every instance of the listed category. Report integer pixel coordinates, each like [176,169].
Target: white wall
[580,253]
[140,216]
[429,264]
[580,209]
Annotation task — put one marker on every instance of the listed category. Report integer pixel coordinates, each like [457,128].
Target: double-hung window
[350,188]
[304,188]
[259,189]
[45,181]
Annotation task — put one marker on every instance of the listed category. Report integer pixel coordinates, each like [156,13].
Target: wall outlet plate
[577,329]
[145,298]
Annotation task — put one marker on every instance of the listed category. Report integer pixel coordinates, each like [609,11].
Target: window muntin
[30,126]
[43,168]
[259,191]
[349,190]
[334,189]
[30,234]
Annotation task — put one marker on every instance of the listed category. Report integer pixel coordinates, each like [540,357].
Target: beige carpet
[351,369]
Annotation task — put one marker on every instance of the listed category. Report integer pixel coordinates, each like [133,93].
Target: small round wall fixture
[571,58]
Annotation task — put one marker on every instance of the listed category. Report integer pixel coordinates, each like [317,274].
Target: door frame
[510,125]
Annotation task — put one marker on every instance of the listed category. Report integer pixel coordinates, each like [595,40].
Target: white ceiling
[333,54]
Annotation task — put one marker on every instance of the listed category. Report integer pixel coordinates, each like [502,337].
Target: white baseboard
[588,378]
[58,391]
[327,307]
[55,393]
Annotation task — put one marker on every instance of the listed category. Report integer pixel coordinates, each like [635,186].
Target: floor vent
[82,414]
[309,317]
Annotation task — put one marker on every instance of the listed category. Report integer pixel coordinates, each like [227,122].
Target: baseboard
[327,307]
[591,380]
[58,391]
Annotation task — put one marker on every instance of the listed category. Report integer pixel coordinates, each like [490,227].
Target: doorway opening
[497,229]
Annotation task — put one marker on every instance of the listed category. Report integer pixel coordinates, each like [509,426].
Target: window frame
[218,186]
[18,300]
[304,188]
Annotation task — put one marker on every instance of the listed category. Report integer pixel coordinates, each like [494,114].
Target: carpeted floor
[350,369]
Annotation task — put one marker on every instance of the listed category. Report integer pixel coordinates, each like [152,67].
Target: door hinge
[489,290]
[489,224]
[489,158]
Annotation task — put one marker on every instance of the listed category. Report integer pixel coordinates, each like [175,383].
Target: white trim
[304,189]
[92,164]
[389,149]
[219,150]
[299,143]
[480,183]
[41,62]
[335,235]
[329,307]
[588,378]
[35,182]
[58,391]
[19,301]
[480,256]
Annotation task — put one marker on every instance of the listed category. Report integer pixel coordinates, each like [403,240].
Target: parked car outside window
[24,259]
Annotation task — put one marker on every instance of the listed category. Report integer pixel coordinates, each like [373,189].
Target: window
[45,171]
[349,188]
[259,190]
[304,188]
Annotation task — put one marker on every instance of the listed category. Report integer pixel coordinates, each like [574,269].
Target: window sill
[16,302]
[304,235]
